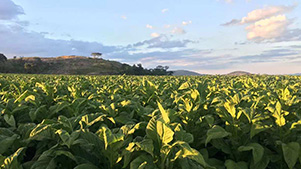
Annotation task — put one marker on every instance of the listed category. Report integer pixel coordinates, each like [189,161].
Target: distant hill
[185,73]
[239,73]
[297,74]
[62,65]
[74,65]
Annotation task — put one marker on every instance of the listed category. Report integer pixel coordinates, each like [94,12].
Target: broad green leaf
[216,132]
[257,151]
[109,137]
[257,128]
[23,96]
[285,94]
[141,125]
[280,120]
[30,97]
[210,120]
[86,166]
[295,125]
[182,135]
[262,164]
[146,145]
[194,94]
[9,119]
[233,165]
[185,151]
[39,114]
[143,162]
[184,86]
[6,143]
[163,113]
[230,107]
[49,159]
[291,153]
[165,133]
[41,132]
[151,130]
[65,136]
[12,162]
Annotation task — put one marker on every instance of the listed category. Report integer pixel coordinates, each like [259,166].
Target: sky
[206,36]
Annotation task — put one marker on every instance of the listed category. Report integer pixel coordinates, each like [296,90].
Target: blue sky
[208,36]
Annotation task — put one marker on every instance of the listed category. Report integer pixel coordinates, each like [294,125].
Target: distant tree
[161,70]
[96,55]
[29,67]
[2,58]
[15,57]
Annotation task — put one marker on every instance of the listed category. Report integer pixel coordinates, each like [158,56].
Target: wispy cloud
[186,23]
[155,34]
[178,30]
[163,42]
[123,17]
[229,1]
[149,26]
[167,26]
[164,10]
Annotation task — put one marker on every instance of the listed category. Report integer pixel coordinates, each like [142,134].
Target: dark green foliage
[2,58]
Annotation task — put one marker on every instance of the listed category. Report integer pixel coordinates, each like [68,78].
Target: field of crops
[114,122]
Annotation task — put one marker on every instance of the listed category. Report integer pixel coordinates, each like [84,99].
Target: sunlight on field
[150,122]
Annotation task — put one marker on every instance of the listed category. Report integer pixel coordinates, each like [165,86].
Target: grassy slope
[63,65]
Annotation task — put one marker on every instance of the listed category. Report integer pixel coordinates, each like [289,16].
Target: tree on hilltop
[96,55]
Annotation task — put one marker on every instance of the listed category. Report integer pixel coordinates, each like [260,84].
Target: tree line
[139,70]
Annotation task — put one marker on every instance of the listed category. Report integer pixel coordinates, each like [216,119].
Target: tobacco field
[131,122]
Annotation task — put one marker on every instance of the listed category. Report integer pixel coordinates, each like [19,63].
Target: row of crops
[114,122]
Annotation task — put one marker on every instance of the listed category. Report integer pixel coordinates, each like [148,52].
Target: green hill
[75,65]
[63,65]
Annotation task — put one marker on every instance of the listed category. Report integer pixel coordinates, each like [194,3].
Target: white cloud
[269,28]
[259,14]
[186,23]
[178,30]
[266,24]
[123,17]
[164,10]
[155,35]
[266,12]
[149,26]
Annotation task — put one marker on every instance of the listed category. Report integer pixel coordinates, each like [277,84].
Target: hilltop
[75,65]
[185,73]
[297,74]
[239,73]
